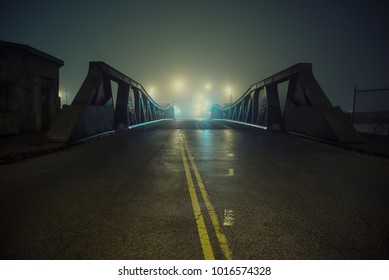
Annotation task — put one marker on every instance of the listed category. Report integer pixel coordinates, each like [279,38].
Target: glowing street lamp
[63,94]
[178,85]
[229,92]
[152,91]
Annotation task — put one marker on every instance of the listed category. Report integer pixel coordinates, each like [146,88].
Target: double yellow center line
[201,227]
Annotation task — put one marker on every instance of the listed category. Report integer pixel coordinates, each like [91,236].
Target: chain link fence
[371,111]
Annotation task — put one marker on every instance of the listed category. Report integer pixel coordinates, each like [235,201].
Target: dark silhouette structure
[29,80]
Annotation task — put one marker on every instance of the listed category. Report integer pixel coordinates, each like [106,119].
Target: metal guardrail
[370,112]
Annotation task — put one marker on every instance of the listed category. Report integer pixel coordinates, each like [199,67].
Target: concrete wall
[29,82]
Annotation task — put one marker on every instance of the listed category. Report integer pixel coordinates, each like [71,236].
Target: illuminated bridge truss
[107,100]
[305,110]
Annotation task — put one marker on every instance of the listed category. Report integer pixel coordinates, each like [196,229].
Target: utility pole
[66,95]
[353,113]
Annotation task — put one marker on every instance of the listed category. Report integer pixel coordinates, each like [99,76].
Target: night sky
[174,48]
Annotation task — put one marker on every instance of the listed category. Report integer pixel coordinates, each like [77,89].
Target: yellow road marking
[201,228]
[211,210]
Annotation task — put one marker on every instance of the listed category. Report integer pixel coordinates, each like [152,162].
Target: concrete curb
[18,156]
[349,147]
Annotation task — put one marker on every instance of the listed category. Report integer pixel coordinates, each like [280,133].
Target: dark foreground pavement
[126,196]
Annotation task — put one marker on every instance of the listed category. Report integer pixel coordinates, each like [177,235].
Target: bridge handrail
[279,77]
[124,78]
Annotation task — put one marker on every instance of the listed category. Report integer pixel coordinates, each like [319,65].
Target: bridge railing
[305,109]
[98,107]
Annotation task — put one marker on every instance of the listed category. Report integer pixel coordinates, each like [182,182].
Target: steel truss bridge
[307,109]
[197,189]
[94,111]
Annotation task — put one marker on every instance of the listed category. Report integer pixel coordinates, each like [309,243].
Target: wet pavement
[132,195]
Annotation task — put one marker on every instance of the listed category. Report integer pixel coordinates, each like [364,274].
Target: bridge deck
[128,196]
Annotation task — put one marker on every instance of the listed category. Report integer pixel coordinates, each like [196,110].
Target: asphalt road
[194,190]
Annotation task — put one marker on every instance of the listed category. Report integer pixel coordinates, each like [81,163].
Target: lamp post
[353,113]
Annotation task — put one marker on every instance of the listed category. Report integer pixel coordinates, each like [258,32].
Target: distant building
[29,81]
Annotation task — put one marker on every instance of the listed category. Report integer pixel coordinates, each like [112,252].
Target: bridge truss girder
[307,110]
[93,109]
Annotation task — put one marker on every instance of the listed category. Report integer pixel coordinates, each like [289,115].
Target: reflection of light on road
[202,230]
[201,227]
[206,138]
[228,134]
[230,172]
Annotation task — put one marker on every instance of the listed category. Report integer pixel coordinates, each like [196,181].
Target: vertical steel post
[137,105]
[274,108]
[121,110]
[255,106]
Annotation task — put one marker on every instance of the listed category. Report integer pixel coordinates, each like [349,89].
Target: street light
[229,92]
[178,85]
[208,86]
[200,96]
[63,94]
[152,91]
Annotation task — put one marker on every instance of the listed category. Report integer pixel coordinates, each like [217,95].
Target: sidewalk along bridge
[96,108]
